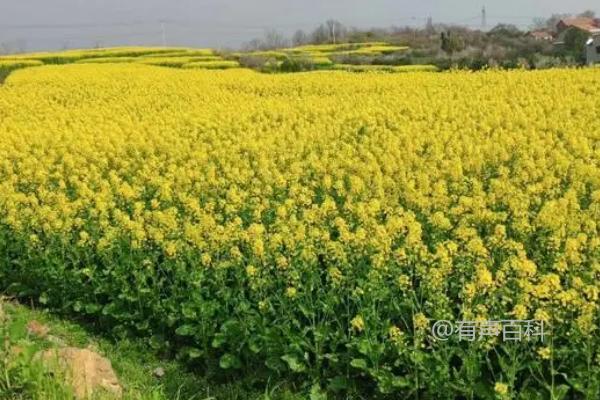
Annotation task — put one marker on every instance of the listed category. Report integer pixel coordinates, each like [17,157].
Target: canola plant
[315,225]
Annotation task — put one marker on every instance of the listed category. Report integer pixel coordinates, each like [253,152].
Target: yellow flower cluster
[385,68]
[489,182]
[75,55]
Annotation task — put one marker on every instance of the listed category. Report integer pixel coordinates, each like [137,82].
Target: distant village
[558,41]
[565,40]
[586,27]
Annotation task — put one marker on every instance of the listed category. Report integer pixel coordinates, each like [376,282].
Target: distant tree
[271,40]
[539,24]
[574,46]
[452,43]
[549,24]
[506,30]
[297,64]
[335,30]
[253,45]
[429,27]
[320,35]
[259,63]
[16,46]
[274,40]
[587,14]
[300,38]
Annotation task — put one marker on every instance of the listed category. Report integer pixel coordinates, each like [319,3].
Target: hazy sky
[55,24]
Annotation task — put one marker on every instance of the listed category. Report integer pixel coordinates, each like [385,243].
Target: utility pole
[164,33]
[483,18]
[333,32]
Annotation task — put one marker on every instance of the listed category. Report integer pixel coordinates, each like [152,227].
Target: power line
[136,29]
[198,24]
[75,25]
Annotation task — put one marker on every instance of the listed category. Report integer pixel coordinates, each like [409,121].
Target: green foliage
[298,59]
[191,62]
[452,43]
[106,60]
[23,377]
[297,64]
[386,68]
[216,64]
[209,315]
[574,44]
[225,322]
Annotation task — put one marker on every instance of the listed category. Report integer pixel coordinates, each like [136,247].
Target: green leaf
[364,347]
[560,392]
[185,330]
[231,328]
[401,382]
[218,340]
[229,361]
[157,342]
[254,344]
[143,325]
[332,358]
[316,393]
[484,391]
[92,308]
[359,363]
[109,309]
[275,364]
[387,382]
[43,298]
[338,384]
[189,312]
[306,311]
[194,353]
[294,364]
[528,394]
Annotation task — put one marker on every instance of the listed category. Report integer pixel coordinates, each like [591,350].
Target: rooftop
[591,25]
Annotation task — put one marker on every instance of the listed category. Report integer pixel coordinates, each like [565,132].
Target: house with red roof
[586,24]
[541,35]
[590,26]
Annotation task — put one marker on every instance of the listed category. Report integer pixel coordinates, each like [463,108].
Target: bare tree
[271,40]
[300,38]
[539,23]
[274,40]
[429,28]
[252,45]
[320,35]
[588,14]
[549,23]
[336,30]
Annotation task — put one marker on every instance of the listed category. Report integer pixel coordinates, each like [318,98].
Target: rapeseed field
[315,225]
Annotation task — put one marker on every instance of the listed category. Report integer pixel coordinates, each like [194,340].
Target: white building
[593,49]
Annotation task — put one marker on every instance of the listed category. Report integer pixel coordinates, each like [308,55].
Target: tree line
[446,46]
